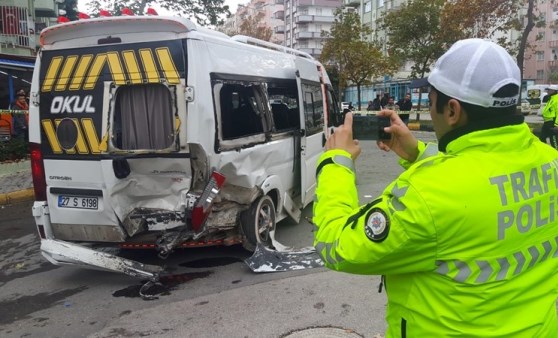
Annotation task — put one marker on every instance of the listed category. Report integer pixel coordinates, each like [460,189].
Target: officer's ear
[454,114]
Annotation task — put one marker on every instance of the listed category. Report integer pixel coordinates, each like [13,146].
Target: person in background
[405,105]
[19,119]
[391,105]
[466,237]
[384,101]
[370,106]
[549,128]
[376,104]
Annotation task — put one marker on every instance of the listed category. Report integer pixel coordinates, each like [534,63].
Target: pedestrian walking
[467,237]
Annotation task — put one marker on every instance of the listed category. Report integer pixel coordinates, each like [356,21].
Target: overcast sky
[233,4]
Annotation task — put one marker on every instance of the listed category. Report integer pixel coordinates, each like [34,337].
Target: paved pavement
[16,184]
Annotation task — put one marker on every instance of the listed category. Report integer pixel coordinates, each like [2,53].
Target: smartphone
[382,123]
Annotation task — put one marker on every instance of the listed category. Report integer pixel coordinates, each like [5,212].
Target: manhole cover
[323,332]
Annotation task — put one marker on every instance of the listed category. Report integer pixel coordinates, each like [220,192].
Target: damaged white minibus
[151,132]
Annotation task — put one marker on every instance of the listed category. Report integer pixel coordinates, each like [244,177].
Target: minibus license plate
[78,202]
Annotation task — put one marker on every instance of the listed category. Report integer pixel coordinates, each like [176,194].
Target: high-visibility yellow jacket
[467,239]
[550,110]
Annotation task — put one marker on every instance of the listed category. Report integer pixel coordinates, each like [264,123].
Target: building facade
[21,22]
[271,16]
[304,22]
[541,61]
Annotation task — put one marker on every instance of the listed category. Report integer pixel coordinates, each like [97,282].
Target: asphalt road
[210,293]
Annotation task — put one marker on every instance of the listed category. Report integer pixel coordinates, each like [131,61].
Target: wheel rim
[265,223]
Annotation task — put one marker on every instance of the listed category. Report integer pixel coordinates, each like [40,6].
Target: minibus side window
[313,108]
[284,107]
[333,115]
[143,117]
[241,115]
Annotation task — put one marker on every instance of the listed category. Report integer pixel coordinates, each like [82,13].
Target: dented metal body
[131,129]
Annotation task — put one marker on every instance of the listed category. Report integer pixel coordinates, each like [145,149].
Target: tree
[205,12]
[251,25]
[356,60]
[494,20]
[70,6]
[414,34]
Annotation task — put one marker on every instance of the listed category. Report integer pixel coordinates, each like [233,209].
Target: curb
[17,196]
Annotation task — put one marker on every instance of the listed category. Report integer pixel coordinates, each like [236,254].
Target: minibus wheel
[258,223]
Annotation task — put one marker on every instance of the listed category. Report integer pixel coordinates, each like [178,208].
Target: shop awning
[14,64]
[417,83]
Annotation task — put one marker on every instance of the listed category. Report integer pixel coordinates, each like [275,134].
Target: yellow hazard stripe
[67,70]
[168,66]
[79,75]
[91,135]
[115,67]
[52,71]
[50,133]
[95,71]
[149,65]
[132,66]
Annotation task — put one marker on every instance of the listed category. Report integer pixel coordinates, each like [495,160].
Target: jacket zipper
[403,328]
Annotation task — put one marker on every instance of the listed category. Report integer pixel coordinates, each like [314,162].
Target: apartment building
[304,22]
[370,12]
[272,17]
[541,61]
[399,84]
[21,22]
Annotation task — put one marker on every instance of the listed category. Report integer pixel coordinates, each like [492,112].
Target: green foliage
[355,59]
[70,6]
[205,12]
[14,149]
[415,34]
[251,25]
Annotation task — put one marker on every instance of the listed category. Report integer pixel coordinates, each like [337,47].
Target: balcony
[279,29]
[553,65]
[44,9]
[308,35]
[15,34]
[304,3]
[279,15]
[311,51]
[553,43]
[313,18]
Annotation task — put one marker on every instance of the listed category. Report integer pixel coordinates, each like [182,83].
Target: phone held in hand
[382,123]
[370,127]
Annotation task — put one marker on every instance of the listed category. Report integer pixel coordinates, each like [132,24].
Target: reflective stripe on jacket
[467,239]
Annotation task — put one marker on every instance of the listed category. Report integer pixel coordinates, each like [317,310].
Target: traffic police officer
[550,112]
[467,236]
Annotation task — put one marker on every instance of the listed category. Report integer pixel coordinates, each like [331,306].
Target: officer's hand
[402,141]
[342,138]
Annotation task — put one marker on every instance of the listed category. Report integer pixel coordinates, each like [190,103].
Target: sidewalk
[16,184]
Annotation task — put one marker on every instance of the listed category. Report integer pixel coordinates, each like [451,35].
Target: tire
[257,223]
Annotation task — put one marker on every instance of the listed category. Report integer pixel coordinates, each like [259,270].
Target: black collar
[484,124]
